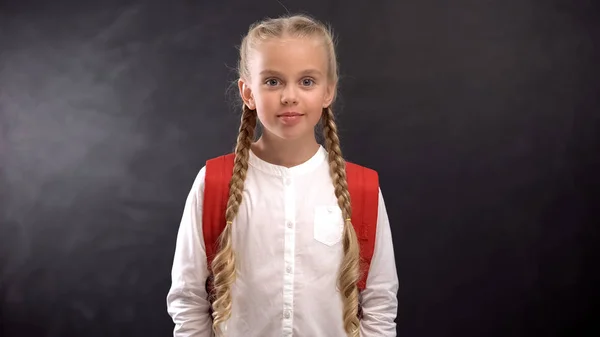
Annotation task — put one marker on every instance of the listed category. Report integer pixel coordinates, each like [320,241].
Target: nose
[288,96]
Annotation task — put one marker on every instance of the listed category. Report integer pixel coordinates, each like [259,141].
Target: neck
[287,153]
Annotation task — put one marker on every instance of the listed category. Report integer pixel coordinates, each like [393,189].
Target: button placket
[289,191]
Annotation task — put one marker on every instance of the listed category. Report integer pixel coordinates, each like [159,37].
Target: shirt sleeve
[187,302]
[379,298]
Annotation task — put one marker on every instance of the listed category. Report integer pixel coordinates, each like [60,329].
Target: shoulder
[218,170]
[211,174]
[354,168]
[227,157]
[197,189]
[207,171]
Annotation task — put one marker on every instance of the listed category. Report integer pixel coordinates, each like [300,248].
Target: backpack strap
[363,186]
[216,192]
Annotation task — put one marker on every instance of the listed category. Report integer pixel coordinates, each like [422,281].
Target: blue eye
[271,82]
[307,82]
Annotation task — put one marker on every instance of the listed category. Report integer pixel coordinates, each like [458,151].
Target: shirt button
[288,181]
[288,269]
[289,224]
[330,209]
[287,314]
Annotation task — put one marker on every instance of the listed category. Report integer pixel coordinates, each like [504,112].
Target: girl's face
[288,86]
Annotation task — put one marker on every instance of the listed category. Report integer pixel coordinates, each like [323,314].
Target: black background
[482,118]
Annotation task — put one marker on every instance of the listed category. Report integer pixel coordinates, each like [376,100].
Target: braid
[223,265]
[349,270]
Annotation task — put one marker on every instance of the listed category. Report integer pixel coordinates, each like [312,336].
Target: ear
[329,95]
[246,94]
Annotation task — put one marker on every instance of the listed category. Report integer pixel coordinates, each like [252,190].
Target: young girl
[288,258]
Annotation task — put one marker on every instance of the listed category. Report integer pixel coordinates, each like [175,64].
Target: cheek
[266,100]
[316,99]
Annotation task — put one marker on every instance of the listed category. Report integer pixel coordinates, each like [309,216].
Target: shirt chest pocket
[328,224]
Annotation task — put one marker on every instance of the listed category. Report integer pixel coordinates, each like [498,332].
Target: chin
[292,134]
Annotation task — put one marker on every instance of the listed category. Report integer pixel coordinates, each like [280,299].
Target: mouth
[290,118]
[290,114]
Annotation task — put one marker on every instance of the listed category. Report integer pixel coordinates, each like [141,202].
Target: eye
[271,82]
[308,82]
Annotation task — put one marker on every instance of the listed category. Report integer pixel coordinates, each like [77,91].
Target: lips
[290,114]
[290,118]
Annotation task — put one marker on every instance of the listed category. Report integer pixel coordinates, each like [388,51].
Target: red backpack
[363,186]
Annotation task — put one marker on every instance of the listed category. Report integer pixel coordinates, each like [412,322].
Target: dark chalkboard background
[482,118]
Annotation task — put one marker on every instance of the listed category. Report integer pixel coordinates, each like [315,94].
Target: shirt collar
[303,168]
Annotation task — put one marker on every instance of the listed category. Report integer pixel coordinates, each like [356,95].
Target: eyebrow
[304,72]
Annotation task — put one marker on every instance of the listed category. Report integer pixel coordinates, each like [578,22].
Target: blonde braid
[349,272]
[223,265]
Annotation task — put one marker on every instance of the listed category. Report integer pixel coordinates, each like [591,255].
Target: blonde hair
[223,265]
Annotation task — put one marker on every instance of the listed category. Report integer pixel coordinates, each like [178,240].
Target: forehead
[288,55]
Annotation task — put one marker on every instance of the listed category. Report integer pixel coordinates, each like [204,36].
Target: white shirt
[288,248]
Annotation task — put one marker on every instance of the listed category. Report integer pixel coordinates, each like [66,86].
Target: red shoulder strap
[363,186]
[216,192]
